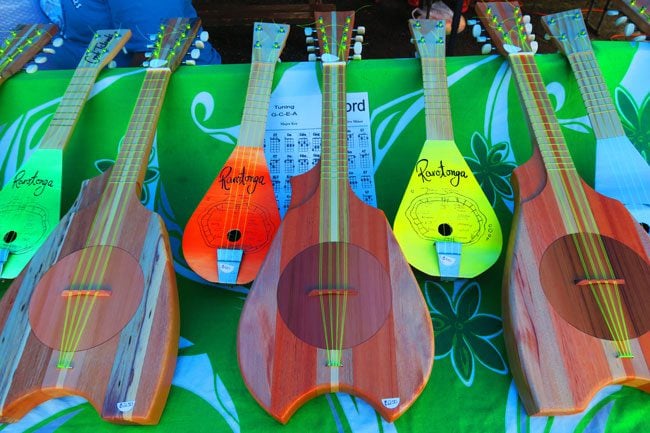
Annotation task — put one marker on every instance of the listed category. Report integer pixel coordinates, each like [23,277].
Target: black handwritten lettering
[98,50]
[38,183]
[423,171]
[249,181]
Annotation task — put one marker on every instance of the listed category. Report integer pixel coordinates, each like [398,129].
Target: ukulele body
[560,349]
[388,341]
[239,211]
[127,351]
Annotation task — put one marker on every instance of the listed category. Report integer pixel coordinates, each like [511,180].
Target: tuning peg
[358,38]
[629,29]
[477,30]
[620,20]
[310,40]
[311,48]
[357,48]
[526,19]
[486,49]
[639,38]
[482,39]
[112,64]
[356,57]
[190,62]
[204,36]
[48,50]
[308,31]
[199,44]
[153,37]
[150,46]
[195,53]
[528,28]
[145,64]
[361,30]
[531,37]
[534,46]
[312,57]
[57,42]
[40,59]
[547,37]
[472,22]
[147,54]
[612,12]
[31,68]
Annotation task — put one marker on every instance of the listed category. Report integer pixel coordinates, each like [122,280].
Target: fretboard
[256,107]
[131,164]
[598,101]
[62,124]
[561,172]
[437,110]
[334,155]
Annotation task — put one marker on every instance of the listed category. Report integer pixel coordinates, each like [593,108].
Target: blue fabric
[17,12]
[81,18]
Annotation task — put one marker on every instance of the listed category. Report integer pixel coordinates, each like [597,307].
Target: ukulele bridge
[594,281]
[341,291]
[86,290]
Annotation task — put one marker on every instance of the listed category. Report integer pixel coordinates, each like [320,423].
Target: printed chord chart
[292,143]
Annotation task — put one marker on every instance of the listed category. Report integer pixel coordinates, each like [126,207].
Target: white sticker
[390,403]
[447,260]
[125,406]
[226,268]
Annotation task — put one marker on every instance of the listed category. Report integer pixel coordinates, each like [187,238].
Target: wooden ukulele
[621,172]
[95,312]
[335,306]
[576,299]
[230,232]
[30,203]
[24,42]
[445,224]
[638,11]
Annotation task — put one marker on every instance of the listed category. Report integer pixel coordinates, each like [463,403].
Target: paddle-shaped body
[445,224]
[95,313]
[230,232]
[30,203]
[621,172]
[576,299]
[24,42]
[335,306]
[637,10]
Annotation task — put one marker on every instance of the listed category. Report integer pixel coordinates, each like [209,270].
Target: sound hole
[325,309]
[444,229]
[10,236]
[234,235]
[597,309]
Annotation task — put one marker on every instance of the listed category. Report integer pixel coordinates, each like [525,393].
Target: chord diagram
[288,143]
[352,161]
[366,181]
[274,164]
[289,165]
[274,142]
[365,160]
[353,181]
[363,139]
[351,140]
[303,142]
[303,163]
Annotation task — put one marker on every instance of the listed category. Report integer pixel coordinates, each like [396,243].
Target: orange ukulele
[23,43]
[230,232]
[576,300]
[335,306]
[637,10]
[95,312]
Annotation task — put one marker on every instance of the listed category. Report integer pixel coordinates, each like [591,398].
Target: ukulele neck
[131,164]
[437,109]
[600,107]
[62,124]
[561,172]
[334,156]
[256,107]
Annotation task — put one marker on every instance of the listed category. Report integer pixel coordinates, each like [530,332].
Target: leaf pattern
[635,120]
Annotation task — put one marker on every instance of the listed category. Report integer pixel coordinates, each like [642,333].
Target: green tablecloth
[470,389]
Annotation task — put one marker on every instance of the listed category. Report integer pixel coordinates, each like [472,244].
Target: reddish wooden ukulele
[335,306]
[24,42]
[230,232]
[95,312]
[576,294]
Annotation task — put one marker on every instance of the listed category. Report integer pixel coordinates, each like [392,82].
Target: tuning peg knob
[534,46]
[312,57]
[628,29]
[620,20]
[309,40]
[145,64]
[358,38]
[147,54]
[150,46]
[204,36]
[356,57]
[528,28]
[531,37]
[547,37]
[153,37]
[472,22]
[195,53]
[476,30]
[199,44]
[526,19]
[308,31]
[57,42]
[639,38]
[482,39]
[361,30]
[31,68]
[612,12]
[190,62]
[486,49]
[311,48]
[357,48]
[48,50]
[112,64]
[40,59]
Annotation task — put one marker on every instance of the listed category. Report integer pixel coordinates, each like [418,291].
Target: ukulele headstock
[23,43]
[334,32]
[506,26]
[428,37]
[103,47]
[268,41]
[172,42]
[568,32]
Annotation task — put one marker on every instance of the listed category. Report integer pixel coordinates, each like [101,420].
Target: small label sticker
[226,268]
[390,403]
[447,260]
[125,406]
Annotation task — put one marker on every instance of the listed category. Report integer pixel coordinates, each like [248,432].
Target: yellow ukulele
[445,224]
[230,232]
[30,203]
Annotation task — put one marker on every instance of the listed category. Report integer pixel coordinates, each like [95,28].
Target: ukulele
[638,11]
[95,313]
[576,299]
[30,203]
[23,43]
[230,232]
[621,172]
[445,223]
[335,306]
